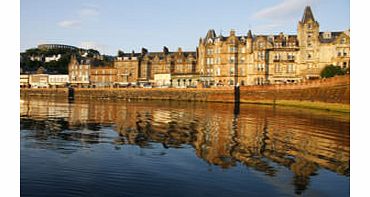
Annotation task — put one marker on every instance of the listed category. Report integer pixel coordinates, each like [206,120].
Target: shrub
[331,71]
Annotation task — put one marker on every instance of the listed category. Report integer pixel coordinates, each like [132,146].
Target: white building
[24,81]
[53,58]
[39,80]
[58,80]
[162,80]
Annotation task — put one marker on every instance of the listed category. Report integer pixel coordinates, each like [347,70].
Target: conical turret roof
[307,15]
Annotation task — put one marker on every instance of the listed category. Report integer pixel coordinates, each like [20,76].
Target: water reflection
[263,138]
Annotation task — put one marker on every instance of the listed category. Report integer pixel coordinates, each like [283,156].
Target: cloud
[284,9]
[88,12]
[94,45]
[267,27]
[84,14]
[69,23]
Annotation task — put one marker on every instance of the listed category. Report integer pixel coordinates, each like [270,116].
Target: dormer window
[309,26]
[327,35]
[343,41]
[260,44]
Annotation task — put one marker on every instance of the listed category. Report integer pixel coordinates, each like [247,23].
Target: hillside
[55,61]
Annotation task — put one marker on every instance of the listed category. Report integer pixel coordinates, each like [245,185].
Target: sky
[112,25]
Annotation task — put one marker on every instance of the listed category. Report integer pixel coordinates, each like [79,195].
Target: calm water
[156,148]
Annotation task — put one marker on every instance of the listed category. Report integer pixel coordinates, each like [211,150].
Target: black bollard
[71,93]
[236,100]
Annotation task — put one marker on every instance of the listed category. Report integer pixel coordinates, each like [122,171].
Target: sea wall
[334,90]
[44,92]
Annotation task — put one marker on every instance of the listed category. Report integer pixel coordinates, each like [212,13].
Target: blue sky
[128,25]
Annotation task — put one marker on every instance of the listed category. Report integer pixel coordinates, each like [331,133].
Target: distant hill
[55,60]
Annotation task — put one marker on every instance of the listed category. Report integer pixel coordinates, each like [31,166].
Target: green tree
[331,71]
[120,53]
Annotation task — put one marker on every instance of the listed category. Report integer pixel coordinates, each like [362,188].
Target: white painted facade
[39,80]
[162,80]
[58,80]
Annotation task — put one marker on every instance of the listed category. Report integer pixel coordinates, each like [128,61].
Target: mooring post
[236,99]
[71,93]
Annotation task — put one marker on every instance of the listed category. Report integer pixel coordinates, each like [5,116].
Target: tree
[120,53]
[331,71]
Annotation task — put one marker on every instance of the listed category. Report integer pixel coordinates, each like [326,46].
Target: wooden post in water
[71,93]
[236,99]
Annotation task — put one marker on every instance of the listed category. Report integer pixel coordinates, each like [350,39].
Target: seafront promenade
[330,94]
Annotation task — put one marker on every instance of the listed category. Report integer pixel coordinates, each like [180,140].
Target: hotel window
[242,60]
[290,56]
[218,50]
[190,68]
[260,67]
[290,68]
[309,44]
[277,68]
[343,40]
[344,53]
[232,49]
[277,45]
[218,71]
[209,51]
[261,56]
[243,71]
[209,61]
[232,59]
[232,70]
[309,56]
[309,26]
[217,60]
[339,54]
[260,44]
[277,56]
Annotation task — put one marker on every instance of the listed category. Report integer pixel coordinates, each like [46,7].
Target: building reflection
[260,137]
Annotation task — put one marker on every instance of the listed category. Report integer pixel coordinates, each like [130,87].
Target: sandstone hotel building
[238,59]
[260,59]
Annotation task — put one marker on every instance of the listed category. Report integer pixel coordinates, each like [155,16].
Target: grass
[344,108]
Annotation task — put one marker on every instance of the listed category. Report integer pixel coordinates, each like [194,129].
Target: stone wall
[44,92]
[334,90]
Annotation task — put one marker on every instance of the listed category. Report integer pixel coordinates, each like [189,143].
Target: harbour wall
[333,90]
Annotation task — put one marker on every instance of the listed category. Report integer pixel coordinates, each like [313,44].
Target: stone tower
[308,37]
[249,42]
